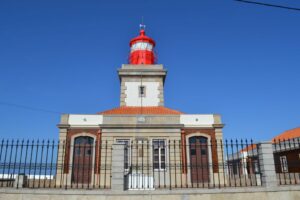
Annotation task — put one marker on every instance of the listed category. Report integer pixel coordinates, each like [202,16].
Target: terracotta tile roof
[249,148]
[289,134]
[136,110]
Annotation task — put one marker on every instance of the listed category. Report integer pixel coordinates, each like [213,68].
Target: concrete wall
[276,193]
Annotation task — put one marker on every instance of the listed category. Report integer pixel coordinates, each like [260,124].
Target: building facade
[156,138]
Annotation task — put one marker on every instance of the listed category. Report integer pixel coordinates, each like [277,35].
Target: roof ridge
[148,110]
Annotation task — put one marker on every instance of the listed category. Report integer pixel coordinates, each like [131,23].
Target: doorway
[199,162]
[82,160]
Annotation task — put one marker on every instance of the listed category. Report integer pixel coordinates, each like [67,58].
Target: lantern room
[142,50]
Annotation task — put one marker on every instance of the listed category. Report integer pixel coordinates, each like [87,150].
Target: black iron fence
[287,161]
[86,163]
[55,164]
[202,163]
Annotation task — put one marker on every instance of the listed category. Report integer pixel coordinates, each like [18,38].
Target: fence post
[267,164]
[117,180]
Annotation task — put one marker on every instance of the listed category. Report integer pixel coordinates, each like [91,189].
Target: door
[199,165]
[82,160]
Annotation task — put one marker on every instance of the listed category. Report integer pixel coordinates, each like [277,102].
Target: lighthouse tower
[142,80]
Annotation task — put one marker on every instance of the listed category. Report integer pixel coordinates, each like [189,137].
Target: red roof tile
[249,148]
[289,134]
[136,110]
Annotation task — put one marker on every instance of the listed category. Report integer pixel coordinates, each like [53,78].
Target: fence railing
[200,164]
[55,164]
[287,161]
[150,164]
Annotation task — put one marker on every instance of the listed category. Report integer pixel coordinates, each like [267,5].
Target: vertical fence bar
[56,166]
[51,163]
[208,164]
[175,162]
[243,162]
[167,166]
[279,141]
[66,164]
[30,160]
[20,161]
[2,165]
[131,164]
[238,161]
[10,157]
[197,164]
[148,169]
[142,164]
[298,145]
[15,160]
[249,160]
[289,149]
[294,147]
[41,161]
[96,160]
[100,163]
[180,162]
[223,162]
[186,165]
[218,165]
[105,162]
[46,165]
[62,164]
[170,166]
[35,162]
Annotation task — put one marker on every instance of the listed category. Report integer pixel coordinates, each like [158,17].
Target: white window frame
[159,154]
[283,163]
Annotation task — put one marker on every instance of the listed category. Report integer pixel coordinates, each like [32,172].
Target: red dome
[142,38]
[142,50]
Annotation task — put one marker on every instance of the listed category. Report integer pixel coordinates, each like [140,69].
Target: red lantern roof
[142,38]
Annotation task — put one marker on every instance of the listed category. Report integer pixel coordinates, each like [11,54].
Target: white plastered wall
[132,94]
[85,120]
[197,120]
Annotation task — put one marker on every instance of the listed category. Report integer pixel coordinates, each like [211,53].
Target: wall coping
[177,191]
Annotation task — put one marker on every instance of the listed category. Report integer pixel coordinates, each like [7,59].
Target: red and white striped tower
[142,49]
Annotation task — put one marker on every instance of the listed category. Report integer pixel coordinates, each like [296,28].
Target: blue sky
[235,59]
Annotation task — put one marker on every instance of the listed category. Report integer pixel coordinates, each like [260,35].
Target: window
[142,91]
[159,154]
[126,152]
[283,164]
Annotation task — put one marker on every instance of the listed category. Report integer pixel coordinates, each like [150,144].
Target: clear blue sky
[238,60]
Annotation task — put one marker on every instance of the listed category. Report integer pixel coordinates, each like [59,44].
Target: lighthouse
[142,49]
[142,79]
[143,121]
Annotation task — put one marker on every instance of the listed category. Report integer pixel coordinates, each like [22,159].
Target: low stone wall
[275,193]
